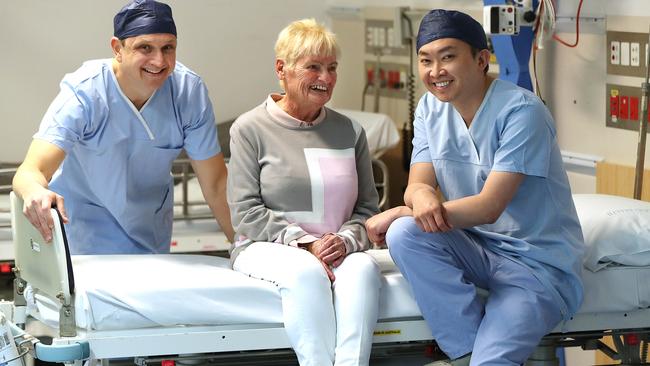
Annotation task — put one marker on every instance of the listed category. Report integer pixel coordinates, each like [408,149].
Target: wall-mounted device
[506,19]
[500,19]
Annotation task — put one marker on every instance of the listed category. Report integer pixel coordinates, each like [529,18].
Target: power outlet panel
[381,37]
[623,107]
[625,53]
[391,79]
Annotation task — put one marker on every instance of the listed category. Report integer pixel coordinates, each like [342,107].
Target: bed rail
[47,267]
[183,173]
[6,175]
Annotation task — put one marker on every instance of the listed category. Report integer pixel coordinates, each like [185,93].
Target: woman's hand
[333,249]
[377,226]
[330,251]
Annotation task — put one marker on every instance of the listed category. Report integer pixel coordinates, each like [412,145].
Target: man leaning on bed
[108,140]
[508,224]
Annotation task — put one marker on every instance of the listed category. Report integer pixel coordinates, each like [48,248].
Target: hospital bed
[164,306]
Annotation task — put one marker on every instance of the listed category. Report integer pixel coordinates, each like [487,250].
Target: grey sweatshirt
[287,181]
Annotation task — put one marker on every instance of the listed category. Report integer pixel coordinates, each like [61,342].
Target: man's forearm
[222,213]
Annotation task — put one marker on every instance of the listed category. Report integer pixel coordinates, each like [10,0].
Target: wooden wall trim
[618,180]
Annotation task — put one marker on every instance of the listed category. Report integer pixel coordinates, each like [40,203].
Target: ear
[483,58]
[279,68]
[116,46]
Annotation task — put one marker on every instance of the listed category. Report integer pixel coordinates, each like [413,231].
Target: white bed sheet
[120,292]
[381,132]
[616,289]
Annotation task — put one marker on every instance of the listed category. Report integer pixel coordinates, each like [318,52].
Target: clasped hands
[330,250]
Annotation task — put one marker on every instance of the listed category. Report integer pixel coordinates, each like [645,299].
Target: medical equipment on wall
[510,28]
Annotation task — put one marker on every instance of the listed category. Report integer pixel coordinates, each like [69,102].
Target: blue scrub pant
[444,271]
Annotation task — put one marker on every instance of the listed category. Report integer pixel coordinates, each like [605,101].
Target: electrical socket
[625,53]
[370,37]
[634,54]
[634,108]
[615,53]
[624,107]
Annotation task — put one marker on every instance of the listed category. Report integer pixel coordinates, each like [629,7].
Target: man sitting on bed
[508,223]
[108,140]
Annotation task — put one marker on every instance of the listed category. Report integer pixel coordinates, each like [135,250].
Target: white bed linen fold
[139,291]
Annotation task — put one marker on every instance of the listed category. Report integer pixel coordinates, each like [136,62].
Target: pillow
[616,230]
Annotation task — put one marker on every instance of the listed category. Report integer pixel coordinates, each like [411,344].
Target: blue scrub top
[116,177]
[512,131]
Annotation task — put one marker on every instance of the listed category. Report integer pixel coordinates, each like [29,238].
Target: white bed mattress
[117,292]
[616,289]
[381,132]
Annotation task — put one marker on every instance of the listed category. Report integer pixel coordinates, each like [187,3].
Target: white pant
[327,324]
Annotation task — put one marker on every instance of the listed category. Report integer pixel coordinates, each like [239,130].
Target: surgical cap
[439,23]
[143,17]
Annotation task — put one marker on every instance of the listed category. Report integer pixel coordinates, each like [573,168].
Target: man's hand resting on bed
[36,208]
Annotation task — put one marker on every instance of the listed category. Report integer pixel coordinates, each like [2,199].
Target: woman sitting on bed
[300,188]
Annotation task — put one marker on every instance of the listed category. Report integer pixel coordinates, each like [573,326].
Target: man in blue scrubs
[108,140]
[507,222]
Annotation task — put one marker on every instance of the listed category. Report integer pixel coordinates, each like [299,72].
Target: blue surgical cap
[143,17]
[439,23]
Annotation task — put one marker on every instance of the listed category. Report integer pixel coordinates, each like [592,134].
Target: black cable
[407,129]
[363,94]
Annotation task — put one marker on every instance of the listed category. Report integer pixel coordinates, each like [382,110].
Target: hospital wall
[229,43]
[572,80]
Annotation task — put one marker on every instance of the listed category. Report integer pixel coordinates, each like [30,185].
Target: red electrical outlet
[624,108]
[613,108]
[370,74]
[634,108]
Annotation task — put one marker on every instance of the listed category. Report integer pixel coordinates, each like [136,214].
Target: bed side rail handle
[62,353]
[79,350]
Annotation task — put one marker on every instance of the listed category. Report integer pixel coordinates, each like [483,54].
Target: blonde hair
[305,37]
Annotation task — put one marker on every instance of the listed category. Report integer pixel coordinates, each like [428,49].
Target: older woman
[300,188]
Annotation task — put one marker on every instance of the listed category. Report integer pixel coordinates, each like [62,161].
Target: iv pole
[643,128]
